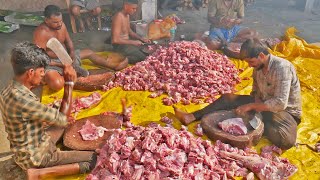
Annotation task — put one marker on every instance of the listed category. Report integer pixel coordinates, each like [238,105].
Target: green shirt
[24,118]
[217,8]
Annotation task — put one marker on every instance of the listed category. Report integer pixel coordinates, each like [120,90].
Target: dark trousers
[133,53]
[55,157]
[280,128]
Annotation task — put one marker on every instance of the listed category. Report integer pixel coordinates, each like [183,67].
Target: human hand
[244,109]
[227,22]
[237,21]
[71,120]
[69,74]
[146,40]
[137,43]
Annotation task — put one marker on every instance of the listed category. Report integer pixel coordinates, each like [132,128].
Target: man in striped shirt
[276,94]
[34,128]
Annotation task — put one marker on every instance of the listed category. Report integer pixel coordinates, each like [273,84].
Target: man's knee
[282,130]
[54,80]
[283,140]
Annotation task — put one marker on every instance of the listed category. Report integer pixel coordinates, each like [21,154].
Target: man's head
[255,53]
[53,17]
[29,62]
[130,6]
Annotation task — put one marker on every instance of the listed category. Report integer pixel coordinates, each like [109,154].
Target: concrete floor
[269,17]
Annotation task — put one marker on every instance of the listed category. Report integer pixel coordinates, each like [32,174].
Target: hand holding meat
[69,74]
[244,109]
[137,43]
[146,40]
[227,22]
[237,21]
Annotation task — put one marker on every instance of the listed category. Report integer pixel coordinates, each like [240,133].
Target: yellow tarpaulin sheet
[306,59]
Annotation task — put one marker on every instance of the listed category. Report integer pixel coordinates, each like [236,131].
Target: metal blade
[254,122]
[59,50]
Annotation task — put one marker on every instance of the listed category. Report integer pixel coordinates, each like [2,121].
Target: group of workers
[34,129]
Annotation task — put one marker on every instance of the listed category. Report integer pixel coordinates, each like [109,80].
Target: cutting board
[210,127]
[97,79]
[73,140]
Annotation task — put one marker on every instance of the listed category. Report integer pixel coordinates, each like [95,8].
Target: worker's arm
[240,13]
[40,38]
[136,36]
[280,98]
[70,76]
[212,10]
[116,33]
[68,42]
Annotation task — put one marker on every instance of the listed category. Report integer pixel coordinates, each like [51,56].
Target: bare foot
[184,118]
[33,174]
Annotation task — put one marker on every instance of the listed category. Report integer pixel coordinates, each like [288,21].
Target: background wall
[36,5]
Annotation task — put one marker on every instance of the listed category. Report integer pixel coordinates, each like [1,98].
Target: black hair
[131,1]
[26,55]
[251,48]
[51,10]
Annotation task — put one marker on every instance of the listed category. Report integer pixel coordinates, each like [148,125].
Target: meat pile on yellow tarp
[304,56]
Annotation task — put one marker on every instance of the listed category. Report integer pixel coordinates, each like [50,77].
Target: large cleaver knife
[255,122]
[59,50]
[254,119]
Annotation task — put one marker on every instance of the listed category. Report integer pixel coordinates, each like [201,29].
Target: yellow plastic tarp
[306,59]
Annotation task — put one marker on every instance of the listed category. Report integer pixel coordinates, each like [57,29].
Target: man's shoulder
[42,27]
[281,63]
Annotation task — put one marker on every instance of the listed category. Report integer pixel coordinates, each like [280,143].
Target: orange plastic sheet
[306,59]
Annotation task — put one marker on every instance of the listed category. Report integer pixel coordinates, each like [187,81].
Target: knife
[254,122]
[59,50]
[255,118]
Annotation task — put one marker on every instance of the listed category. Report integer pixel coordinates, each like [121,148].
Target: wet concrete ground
[269,17]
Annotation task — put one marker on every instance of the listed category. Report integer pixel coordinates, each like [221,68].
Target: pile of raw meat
[184,70]
[154,153]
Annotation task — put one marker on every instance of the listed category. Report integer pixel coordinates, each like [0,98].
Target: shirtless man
[122,34]
[53,26]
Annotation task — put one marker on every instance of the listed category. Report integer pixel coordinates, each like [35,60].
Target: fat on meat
[86,102]
[91,132]
[233,126]
[80,103]
[184,70]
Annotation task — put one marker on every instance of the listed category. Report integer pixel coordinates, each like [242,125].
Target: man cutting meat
[225,17]
[275,93]
[53,26]
[124,40]
[34,128]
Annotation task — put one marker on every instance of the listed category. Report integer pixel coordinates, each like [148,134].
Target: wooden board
[95,81]
[210,127]
[73,140]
